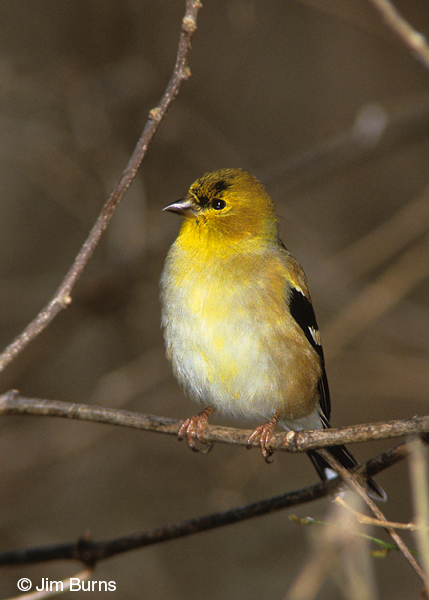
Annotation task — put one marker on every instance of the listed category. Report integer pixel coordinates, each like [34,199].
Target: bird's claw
[192,428]
[265,433]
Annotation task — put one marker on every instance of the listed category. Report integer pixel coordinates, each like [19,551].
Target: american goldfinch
[239,325]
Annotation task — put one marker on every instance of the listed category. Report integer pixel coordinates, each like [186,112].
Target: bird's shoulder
[302,311]
[298,298]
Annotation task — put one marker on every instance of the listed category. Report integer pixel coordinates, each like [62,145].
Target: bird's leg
[193,428]
[265,433]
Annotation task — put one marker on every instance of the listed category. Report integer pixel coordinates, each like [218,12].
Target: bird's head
[228,205]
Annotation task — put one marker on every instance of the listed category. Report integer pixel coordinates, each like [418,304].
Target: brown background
[273,82]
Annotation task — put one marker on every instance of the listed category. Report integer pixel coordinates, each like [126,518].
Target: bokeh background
[331,111]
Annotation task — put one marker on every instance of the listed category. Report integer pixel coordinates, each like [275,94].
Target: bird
[238,320]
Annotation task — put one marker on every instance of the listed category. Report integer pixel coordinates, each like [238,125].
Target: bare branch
[415,40]
[340,546]
[90,552]
[62,297]
[365,520]
[292,441]
[353,484]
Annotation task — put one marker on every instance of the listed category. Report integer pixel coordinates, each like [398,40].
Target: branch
[62,297]
[292,441]
[415,40]
[354,485]
[365,520]
[90,552]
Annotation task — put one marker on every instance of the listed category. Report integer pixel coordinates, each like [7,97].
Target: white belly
[223,364]
[234,346]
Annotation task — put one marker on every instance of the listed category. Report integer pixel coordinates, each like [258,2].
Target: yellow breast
[230,337]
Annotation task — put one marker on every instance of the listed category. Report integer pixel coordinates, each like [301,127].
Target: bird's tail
[348,461]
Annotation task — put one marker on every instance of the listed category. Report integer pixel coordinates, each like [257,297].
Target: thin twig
[415,40]
[62,296]
[90,552]
[365,520]
[353,484]
[292,441]
[339,551]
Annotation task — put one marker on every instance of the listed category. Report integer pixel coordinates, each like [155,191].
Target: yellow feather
[228,329]
[238,323]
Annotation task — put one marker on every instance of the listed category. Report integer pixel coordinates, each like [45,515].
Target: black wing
[302,311]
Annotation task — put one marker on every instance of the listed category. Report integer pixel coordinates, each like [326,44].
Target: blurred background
[325,106]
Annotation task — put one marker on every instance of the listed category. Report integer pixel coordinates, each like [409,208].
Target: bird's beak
[186,206]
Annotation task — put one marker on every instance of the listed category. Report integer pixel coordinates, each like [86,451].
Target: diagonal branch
[62,297]
[90,552]
[415,40]
[353,484]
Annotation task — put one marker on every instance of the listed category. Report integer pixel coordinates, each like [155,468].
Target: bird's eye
[218,204]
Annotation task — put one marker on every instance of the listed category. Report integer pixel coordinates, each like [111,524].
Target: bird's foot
[265,433]
[193,428]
